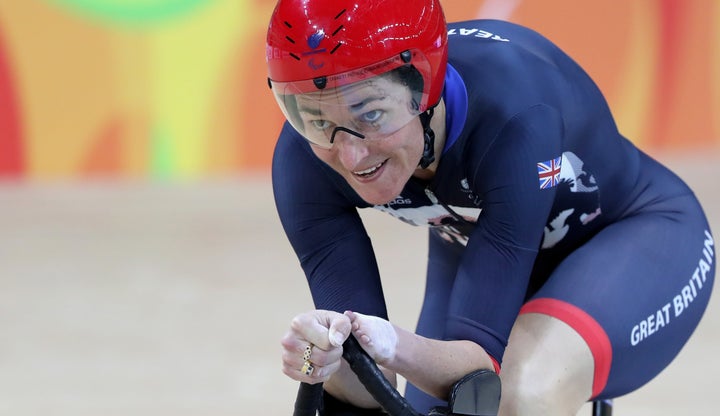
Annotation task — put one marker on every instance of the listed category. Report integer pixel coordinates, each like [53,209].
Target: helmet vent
[336,31]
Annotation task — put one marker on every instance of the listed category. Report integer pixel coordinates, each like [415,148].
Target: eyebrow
[353,107]
[310,111]
[366,101]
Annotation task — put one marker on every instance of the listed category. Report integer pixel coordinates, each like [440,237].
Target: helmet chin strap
[428,155]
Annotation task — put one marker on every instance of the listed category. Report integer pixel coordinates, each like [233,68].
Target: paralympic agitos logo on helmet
[313,43]
[287,39]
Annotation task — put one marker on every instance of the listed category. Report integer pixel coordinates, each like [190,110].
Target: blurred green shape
[162,156]
[132,11]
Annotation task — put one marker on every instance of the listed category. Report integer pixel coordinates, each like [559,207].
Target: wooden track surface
[159,299]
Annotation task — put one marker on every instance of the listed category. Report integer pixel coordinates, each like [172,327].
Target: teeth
[368,171]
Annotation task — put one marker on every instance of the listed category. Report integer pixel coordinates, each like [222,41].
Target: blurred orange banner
[178,88]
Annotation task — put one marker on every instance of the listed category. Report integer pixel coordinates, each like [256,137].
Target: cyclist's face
[370,109]
[378,166]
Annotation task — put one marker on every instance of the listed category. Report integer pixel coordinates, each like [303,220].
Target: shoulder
[292,156]
[488,49]
[495,36]
[489,29]
[507,69]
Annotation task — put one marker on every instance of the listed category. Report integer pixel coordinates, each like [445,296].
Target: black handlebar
[308,399]
[309,395]
[374,380]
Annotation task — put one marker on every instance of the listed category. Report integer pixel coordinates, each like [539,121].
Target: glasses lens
[373,107]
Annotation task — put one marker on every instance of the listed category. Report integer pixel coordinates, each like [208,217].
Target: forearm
[344,385]
[434,366]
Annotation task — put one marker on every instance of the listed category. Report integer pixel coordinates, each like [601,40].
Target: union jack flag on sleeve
[549,172]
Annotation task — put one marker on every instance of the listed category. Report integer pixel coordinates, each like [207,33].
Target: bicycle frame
[309,395]
[602,408]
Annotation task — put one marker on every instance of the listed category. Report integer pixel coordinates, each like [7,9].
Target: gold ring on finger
[307,368]
[308,352]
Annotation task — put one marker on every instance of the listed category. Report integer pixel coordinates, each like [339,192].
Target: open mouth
[369,172]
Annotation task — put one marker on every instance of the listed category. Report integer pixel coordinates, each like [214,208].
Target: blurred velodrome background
[177,88]
[142,267]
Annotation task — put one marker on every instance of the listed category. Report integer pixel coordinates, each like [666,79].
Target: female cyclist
[560,255]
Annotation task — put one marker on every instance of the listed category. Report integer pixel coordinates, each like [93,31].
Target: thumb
[339,330]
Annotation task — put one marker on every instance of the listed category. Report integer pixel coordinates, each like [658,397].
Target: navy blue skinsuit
[538,205]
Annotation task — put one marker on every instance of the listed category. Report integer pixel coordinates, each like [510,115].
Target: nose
[351,150]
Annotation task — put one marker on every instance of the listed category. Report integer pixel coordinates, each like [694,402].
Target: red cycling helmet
[317,44]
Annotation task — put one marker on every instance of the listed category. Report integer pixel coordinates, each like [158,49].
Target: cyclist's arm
[493,275]
[435,365]
[321,222]
[431,365]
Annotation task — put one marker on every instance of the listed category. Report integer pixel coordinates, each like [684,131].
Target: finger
[304,361]
[318,374]
[356,322]
[292,350]
[324,329]
[377,336]
[309,363]
[340,329]
[298,362]
[352,316]
[338,326]
[297,355]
